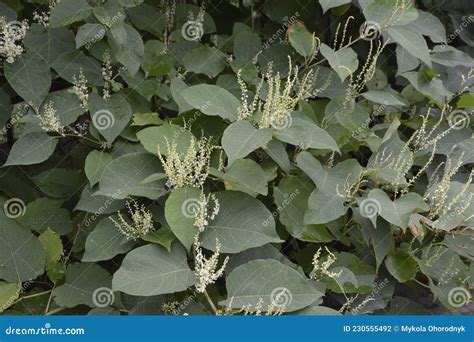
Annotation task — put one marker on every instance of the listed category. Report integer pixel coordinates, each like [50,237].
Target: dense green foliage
[236,157]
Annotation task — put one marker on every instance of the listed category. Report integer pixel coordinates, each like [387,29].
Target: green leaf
[305,134]
[105,242]
[46,213]
[324,207]
[328,4]
[156,139]
[247,45]
[241,138]
[89,34]
[384,97]
[411,41]
[155,61]
[59,183]
[344,62]
[205,60]
[301,39]
[243,222]
[244,175]
[382,12]
[83,285]
[180,214]
[163,236]
[69,11]
[271,283]
[29,76]
[9,292]
[52,245]
[69,64]
[110,117]
[95,164]
[66,104]
[130,53]
[401,266]
[291,197]
[31,149]
[21,255]
[429,25]
[212,100]
[151,270]
[397,212]
[96,204]
[123,177]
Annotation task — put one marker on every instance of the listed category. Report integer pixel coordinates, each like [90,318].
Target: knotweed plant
[207,210]
[139,224]
[190,169]
[11,38]
[321,266]
[81,89]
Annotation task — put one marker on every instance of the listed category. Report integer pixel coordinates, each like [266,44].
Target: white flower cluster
[207,270]
[321,268]
[107,74]
[41,17]
[49,119]
[11,38]
[191,169]
[142,221]
[257,310]
[203,214]
[81,89]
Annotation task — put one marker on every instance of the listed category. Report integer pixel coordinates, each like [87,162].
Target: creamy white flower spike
[207,270]
[321,268]
[142,221]
[81,89]
[11,38]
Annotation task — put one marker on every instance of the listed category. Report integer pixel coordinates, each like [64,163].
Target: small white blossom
[321,268]
[203,214]
[81,89]
[41,17]
[142,221]
[207,270]
[107,75]
[49,119]
[191,169]
[11,38]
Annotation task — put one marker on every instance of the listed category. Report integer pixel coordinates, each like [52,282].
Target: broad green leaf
[84,285]
[88,34]
[384,97]
[245,175]
[397,212]
[306,134]
[155,61]
[9,292]
[405,61]
[69,11]
[59,183]
[212,100]
[180,213]
[151,270]
[44,213]
[401,265]
[387,13]
[29,76]
[96,204]
[95,164]
[328,4]
[49,43]
[105,242]
[32,148]
[271,283]
[247,45]
[324,207]
[429,25]
[52,245]
[163,236]
[301,39]
[123,177]
[66,104]
[156,139]
[68,66]
[243,222]
[205,60]
[241,138]
[291,197]
[344,62]
[131,52]
[110,117]
[21,255]
[411,41]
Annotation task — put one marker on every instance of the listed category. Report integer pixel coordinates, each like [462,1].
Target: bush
[241,157]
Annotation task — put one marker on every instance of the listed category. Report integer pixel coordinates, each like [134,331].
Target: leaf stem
[211,303]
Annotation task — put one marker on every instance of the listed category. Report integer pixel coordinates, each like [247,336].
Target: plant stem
[211,303]
[31,296]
